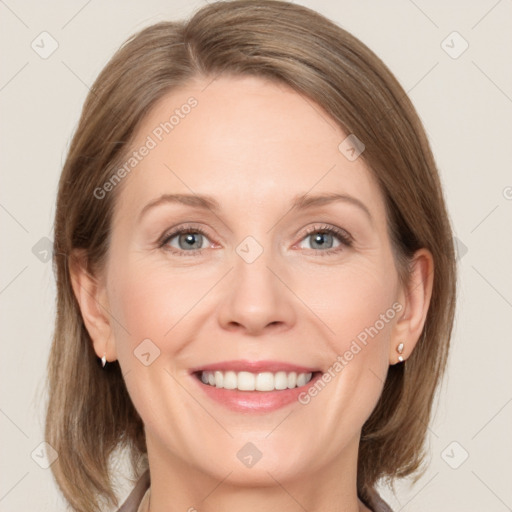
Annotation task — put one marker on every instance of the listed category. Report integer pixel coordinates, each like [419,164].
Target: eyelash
[345,239]
[179,231]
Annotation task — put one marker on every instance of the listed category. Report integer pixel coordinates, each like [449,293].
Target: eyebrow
[195,200]
[301,202]
[308,201]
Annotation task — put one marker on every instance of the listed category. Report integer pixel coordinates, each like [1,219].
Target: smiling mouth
[248,381]
[245,386]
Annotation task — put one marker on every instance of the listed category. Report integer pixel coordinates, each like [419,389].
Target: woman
[255,271]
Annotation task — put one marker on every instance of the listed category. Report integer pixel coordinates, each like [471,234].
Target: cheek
[355,304]
[362,313]
[358,309]
[151,301]
[141,307]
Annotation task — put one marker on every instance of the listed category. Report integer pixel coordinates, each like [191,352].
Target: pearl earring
[400,350]
[104,360]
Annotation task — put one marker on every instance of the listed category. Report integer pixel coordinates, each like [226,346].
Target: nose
[256,299]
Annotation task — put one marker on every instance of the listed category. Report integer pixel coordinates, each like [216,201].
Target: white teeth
[281,380]
[219,379]
[303,378]
[230,380]
[247,381]
[265,381]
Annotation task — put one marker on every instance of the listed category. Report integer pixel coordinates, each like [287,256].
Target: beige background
[466,106]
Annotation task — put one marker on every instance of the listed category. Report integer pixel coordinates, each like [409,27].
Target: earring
[400,350]
[104,360]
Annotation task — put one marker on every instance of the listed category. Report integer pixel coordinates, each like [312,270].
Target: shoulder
[375,503]
[134,499]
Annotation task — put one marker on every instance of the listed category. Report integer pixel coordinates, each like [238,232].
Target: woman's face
[250,250]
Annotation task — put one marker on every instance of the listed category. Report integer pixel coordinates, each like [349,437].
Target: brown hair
[90,413]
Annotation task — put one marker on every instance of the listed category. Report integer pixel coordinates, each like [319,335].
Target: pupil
[191,240]
[322,241]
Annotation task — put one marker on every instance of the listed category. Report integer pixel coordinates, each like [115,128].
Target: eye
[185,239]
[325,239]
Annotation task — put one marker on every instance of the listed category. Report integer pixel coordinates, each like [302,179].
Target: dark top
[374,503]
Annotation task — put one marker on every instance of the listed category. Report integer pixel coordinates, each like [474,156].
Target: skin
[253,146]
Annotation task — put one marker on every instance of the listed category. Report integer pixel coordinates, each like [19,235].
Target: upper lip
[254,367]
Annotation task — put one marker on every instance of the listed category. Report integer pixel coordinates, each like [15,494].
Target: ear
[415,298]
[90,293]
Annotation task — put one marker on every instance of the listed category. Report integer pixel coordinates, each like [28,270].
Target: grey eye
[187,241]
[321,240]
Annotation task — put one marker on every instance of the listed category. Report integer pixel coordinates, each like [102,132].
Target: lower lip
[255,401]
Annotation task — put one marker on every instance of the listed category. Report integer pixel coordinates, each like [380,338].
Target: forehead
[247,141]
